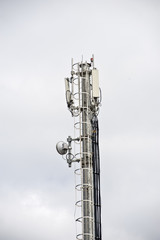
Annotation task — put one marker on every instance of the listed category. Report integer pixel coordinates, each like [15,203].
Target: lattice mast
[83,98]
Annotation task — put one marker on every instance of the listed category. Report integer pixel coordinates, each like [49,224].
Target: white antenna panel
[67,88]
[67,85]
[95,83]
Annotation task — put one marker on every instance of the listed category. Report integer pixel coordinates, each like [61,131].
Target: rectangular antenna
[67,87]
[95,83]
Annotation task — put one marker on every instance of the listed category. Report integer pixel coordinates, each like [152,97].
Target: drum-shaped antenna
[62,148]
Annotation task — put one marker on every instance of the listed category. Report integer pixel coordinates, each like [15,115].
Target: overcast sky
[37,41]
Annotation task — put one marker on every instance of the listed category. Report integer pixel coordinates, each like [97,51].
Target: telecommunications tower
[83,97]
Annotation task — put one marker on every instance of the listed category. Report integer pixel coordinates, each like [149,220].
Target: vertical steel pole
[83,101]
[86,164]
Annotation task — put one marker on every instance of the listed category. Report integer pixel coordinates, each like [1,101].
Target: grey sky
[37,41]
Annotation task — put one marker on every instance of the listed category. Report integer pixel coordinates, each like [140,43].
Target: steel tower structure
[83,97]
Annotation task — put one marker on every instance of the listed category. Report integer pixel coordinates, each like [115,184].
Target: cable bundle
[96,177]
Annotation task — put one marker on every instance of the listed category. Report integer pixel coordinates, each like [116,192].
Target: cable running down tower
[83,97]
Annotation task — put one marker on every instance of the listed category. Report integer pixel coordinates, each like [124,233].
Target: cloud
[38,40]
[31,215]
